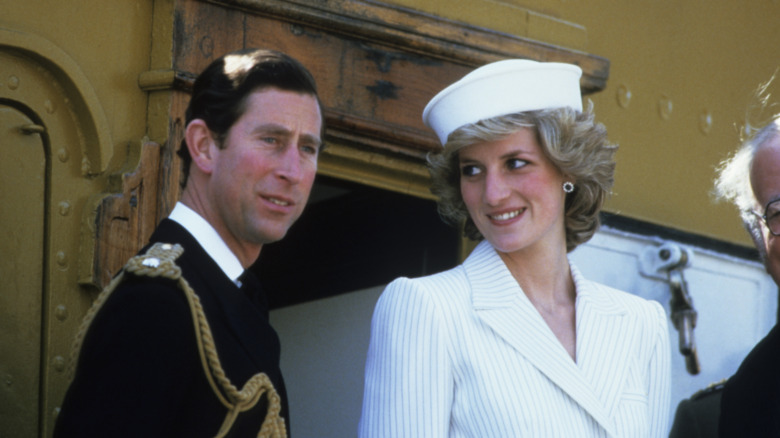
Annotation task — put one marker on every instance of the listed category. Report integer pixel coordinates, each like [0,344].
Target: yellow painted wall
[110,42]
[74,64]
[702,56]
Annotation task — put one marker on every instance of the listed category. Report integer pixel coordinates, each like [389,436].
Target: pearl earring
[568,187]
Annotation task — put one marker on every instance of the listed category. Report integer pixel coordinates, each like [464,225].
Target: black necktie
[250,285]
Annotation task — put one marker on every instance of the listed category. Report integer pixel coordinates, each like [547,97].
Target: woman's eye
[469,170]
[515,163]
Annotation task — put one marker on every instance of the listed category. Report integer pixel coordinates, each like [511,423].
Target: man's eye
[270,140]
[310,150]
[773,210]
[469,170]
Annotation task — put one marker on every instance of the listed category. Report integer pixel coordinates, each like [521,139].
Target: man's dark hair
[220,92]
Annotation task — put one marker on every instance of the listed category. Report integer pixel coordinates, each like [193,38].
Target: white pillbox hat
[503,87]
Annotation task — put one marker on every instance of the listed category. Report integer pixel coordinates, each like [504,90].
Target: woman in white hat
[515,341]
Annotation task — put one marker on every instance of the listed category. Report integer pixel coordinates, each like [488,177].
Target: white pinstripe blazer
[464,353]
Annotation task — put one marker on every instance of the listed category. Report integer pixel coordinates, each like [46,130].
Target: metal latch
[666,263]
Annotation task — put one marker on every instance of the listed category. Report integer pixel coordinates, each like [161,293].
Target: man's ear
[199,141]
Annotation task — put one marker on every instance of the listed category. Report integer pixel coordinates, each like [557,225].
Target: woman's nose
[496,188]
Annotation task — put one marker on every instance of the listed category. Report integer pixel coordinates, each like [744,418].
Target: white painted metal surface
[736,301]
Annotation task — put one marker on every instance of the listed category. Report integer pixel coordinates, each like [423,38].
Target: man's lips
[279,202]
[282,202]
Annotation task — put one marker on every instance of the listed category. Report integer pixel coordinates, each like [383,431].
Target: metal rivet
[623,96]
[13,82]
[61,312]
[705,122]
[665,107]
[62,259]
[64,208]
[59,363]
[62,154]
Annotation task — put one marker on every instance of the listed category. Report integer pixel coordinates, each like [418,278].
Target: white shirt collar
[209,239]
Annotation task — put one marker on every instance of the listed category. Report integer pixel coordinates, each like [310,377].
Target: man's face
[264,171]
[765,180]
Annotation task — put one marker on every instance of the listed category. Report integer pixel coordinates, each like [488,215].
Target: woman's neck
[545,278]
[544,275]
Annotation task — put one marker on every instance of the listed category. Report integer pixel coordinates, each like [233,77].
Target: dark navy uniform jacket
[139,372]
[751,398]
[697,416]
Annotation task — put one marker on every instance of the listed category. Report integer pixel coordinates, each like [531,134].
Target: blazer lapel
[605,336]
[502,305]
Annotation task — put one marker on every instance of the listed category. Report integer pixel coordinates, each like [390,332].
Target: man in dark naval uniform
[179,345]
[750,404]
[697,416]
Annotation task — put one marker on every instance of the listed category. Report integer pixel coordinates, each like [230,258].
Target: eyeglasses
[771,217]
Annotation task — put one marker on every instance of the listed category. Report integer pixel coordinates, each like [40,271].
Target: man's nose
[289,167]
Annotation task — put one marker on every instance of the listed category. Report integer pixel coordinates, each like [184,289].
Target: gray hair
[732,183]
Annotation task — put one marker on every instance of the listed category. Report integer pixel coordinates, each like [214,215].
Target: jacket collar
[222,300]
[500,302]
[208,239]
[493,286]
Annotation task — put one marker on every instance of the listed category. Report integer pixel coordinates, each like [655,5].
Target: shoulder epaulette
[712,388]
[158,261]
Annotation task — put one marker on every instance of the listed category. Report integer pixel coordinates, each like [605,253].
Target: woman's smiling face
[513,193]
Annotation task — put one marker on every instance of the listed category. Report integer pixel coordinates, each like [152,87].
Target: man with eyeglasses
[750,404]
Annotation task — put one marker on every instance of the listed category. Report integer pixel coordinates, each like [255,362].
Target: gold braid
[159,261]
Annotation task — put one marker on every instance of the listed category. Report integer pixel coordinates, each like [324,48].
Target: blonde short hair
[572,140]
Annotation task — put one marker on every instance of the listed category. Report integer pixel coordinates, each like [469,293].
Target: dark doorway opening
[352,237]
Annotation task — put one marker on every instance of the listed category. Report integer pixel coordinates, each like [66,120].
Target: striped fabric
[464,353]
